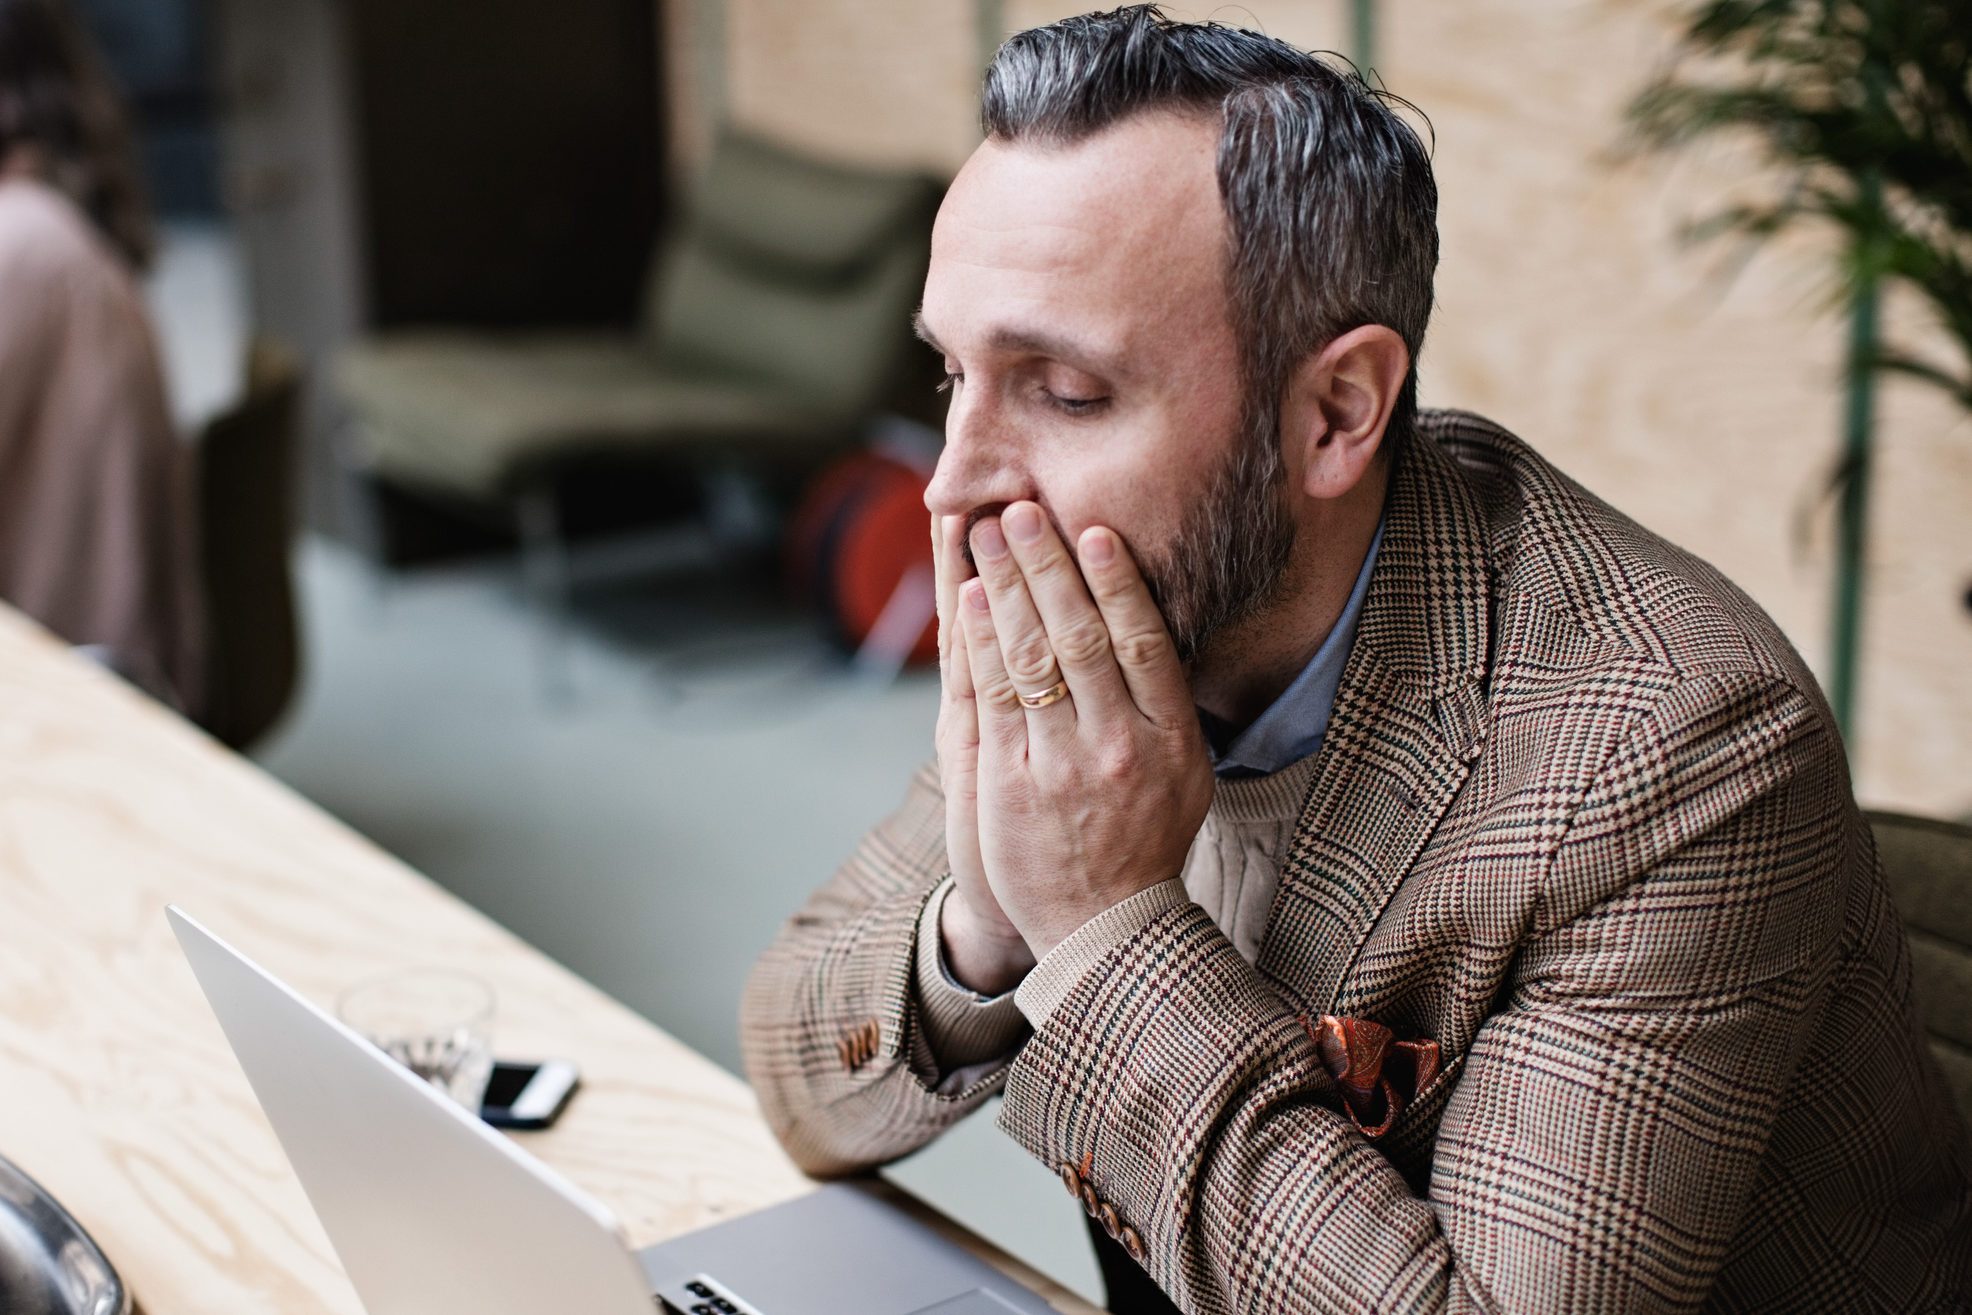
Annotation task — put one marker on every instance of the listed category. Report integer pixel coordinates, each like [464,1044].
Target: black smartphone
[528,1095]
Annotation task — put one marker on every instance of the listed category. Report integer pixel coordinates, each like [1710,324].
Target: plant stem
[1859,420]
[1852,527]
[1363,38]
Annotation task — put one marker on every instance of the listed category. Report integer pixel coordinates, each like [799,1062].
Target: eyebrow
[1081,355]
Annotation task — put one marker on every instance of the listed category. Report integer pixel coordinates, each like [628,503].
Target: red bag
[860,543]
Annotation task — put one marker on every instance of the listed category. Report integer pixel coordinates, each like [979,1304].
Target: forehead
[1118,238]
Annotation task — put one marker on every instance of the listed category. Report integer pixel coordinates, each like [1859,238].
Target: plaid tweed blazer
[1582,819]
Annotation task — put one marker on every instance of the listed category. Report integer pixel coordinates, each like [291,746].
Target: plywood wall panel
[877,80]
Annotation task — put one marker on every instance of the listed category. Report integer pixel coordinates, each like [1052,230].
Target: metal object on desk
[48,1264]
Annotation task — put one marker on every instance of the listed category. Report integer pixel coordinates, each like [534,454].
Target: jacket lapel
[1409,719]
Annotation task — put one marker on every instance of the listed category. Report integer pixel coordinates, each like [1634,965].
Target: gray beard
[1226,562]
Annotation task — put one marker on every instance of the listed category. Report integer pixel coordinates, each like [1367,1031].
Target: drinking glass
[435,1022]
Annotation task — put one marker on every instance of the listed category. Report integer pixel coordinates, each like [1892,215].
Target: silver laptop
[432,1212]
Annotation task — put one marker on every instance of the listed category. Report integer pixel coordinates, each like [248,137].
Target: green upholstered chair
[775,322]
[1929,867]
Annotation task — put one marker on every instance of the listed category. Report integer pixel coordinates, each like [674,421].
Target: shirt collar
[1293,725]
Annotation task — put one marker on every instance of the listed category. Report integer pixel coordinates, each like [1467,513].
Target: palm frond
[1863,110]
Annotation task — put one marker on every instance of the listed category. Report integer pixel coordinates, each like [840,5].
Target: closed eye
[1076,406]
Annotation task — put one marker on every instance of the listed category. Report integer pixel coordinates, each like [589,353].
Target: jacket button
[858,1046]
[1111,1223]
[1071,1179]
[1090,1201]
[1132,1243]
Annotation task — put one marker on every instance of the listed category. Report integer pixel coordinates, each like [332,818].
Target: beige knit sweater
[1232,872]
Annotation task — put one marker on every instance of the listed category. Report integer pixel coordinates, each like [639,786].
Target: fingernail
[1098,548]
[975,595]
[1023,521]
[987,540]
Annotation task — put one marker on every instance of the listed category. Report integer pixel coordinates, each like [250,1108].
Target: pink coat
[97,515]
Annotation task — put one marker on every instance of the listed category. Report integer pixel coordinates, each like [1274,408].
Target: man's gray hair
[1329,198]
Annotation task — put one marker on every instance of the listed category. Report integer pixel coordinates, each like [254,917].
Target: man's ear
[1339,403]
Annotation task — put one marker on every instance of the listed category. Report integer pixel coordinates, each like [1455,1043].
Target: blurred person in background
[96,492]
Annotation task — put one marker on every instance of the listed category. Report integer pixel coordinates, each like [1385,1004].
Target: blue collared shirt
[1293,725]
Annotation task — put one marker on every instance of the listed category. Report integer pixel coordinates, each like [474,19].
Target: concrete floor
[714,763]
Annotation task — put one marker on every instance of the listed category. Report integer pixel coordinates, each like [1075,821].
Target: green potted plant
[1863,110]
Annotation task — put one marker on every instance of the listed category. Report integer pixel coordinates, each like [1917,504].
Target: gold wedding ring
[1054,693]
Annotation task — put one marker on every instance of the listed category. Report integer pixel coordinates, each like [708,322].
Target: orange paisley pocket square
[1377,1074]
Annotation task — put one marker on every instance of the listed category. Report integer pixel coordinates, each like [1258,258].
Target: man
[1378,874]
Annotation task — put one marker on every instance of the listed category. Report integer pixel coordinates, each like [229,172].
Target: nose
[980,466]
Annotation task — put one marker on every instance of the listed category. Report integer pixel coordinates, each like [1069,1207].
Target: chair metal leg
[361,507]
[912,606]
[545,580]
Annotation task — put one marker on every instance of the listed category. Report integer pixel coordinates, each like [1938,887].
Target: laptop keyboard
[703,1295]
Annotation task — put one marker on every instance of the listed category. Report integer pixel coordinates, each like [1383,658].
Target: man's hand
[982,948]
[1094,797]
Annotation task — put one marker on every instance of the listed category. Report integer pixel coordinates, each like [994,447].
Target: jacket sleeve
[1603,1131]
[832,1027]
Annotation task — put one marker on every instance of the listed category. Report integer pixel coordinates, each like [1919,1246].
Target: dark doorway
[509,157]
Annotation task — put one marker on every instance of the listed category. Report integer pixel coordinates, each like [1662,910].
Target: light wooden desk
[117,1090]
